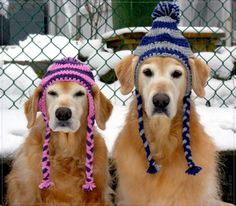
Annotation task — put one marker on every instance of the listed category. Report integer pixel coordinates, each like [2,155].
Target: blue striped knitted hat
[165,39]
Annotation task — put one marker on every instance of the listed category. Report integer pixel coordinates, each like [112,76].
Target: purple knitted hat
[68,70]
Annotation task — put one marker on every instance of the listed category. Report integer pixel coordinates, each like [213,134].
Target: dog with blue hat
[162,154]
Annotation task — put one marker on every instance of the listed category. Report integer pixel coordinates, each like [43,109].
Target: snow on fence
[81,29]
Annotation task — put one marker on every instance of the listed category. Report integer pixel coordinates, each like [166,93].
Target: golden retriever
[171,186]
[67,151]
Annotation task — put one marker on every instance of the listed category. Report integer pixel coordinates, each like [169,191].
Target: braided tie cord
[192,168]
[46,182]
[89,184]
[153,167]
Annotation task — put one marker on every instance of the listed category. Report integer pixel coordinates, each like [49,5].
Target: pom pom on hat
[166,8]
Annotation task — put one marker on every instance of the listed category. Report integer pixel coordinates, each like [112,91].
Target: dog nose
[63,113]
[161,100]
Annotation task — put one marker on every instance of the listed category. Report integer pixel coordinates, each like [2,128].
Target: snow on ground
[112,33]
[39,47]
[230,50]
[102,61]
[12,131]
[219,93]
[219,123]
[16,82]
[47,47]
[88,47]
[221,64]
[1,61]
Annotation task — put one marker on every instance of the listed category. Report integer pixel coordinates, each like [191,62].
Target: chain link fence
[33,34]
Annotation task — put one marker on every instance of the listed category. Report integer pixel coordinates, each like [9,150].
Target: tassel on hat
[68,70]
[166,40]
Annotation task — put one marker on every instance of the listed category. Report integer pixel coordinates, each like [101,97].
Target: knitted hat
[68,70]
[166,40]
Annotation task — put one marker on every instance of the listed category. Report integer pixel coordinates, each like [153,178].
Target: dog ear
[200,72]
[125,73]
[31,107]
[103,107]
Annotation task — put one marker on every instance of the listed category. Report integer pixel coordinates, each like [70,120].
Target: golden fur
[171,186]
[67,157]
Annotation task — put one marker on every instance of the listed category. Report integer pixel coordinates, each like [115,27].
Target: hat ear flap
[103,107]
[31,107]
[125,73]
[200,72]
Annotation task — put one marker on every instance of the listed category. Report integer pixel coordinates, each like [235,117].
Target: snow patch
[39,47]
[1,61]
[17,82]
[89,47]
[189,29]
[13,131]
[102,61]
[219,123]
[114,125]
[219,93]
[231,51]
[221,64]
[128,30]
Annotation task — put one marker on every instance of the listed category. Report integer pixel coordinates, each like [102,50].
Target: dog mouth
[62,126]
[160,111]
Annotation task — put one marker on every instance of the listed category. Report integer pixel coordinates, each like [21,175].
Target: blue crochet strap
[192,168]
[153,167]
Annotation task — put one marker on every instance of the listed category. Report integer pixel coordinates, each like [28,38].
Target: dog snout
[161,100]
[63,113]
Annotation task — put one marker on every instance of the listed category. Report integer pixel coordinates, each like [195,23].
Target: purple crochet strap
[46,183]
[89,184]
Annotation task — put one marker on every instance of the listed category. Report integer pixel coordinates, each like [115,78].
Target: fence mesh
[33,34]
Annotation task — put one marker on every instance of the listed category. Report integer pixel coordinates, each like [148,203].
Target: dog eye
[79,94]
[176,74]
[52,93]
[148,72]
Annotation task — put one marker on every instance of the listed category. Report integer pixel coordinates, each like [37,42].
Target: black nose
[161,100]
[63,113]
